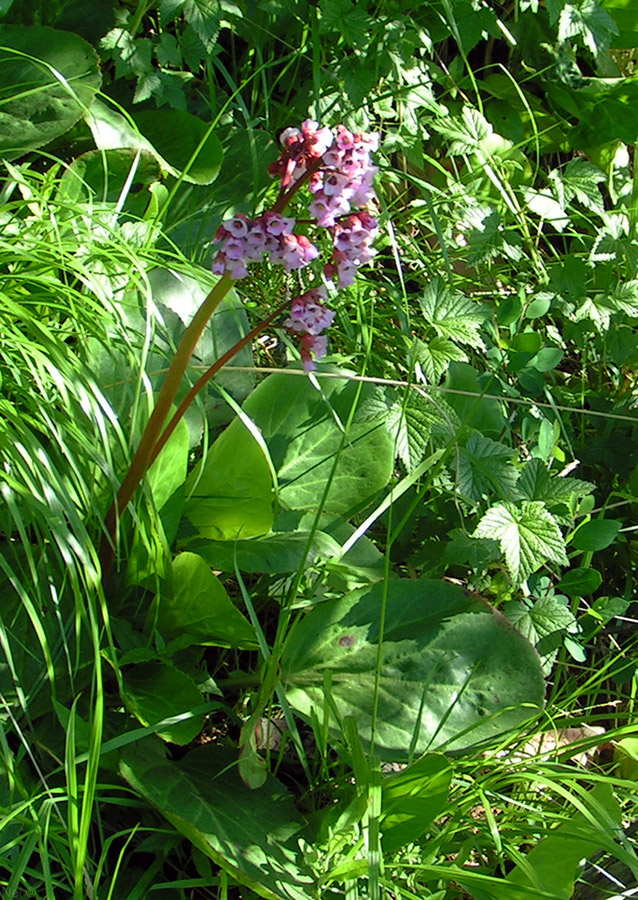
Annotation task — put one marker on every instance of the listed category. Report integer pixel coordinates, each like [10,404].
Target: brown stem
[141,459]
[203,380]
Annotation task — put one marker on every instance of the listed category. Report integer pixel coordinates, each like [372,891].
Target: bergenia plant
[335,171]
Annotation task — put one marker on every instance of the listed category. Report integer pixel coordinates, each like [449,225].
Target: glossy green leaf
[580,582]
[230,496]
[454,672]
[625,15]
[305,431]
[473,409]
[275,554]
[49,78]
[185,142]
[412,799]
[596,535]
[249,833]
[111,176]
[154,691]
[199,611]
[555,860]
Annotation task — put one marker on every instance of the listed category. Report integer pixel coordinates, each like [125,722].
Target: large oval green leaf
[185,142]
[315,437]
[199,611]
[454,672]
[154,691]
[48,79]
[248,833]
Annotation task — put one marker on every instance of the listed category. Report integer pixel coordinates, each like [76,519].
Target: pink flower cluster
[245,240]
[309,317]
[346,178]
[352,238]
[337,168]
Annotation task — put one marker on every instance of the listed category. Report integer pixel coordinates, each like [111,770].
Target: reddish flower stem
[203,380]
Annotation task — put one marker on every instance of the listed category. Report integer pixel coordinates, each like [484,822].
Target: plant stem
[203,380]
[144,453]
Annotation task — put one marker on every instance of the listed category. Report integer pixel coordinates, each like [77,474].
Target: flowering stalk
[335,166]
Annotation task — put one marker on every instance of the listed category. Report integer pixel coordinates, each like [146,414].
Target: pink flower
[309,317]
[312,345]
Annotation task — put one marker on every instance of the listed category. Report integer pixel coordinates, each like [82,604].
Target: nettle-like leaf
[465,132]
[411,422]
[453,315]
[625,297]
[589,22]
[435,356]
[545,623]
[610,242]
[547,207]
[579,180]
[345,18]
[486,467]
[536,483]
[528,534]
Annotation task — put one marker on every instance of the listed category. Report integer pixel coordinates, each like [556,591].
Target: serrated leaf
[528,535]
[485,467]
[205,18]
[465,132]
[625,297]
[411,421]
[465,549]
[588,21]
[545,623]
[580,180]
[536,483]
[546,207]
[452,315]
[347,19]
[435,356]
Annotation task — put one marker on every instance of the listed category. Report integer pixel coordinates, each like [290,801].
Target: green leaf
[452,315]
[412,800]
[49,78]
[580,582]
[464,549]
[250,834]
[546,207]
[453,672]
[466,133]
[474,410]
[275,554]
[154,691]
[434,357]
[410,422]
[199,611]
[105,175]
[580,180]
[625,15]
[486,467]
[545,623]
[186,143]
[347,19]
[529,536]
[305,432]
[536,483]
[230,494]
[596,535]
[587,20]
[552,865]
